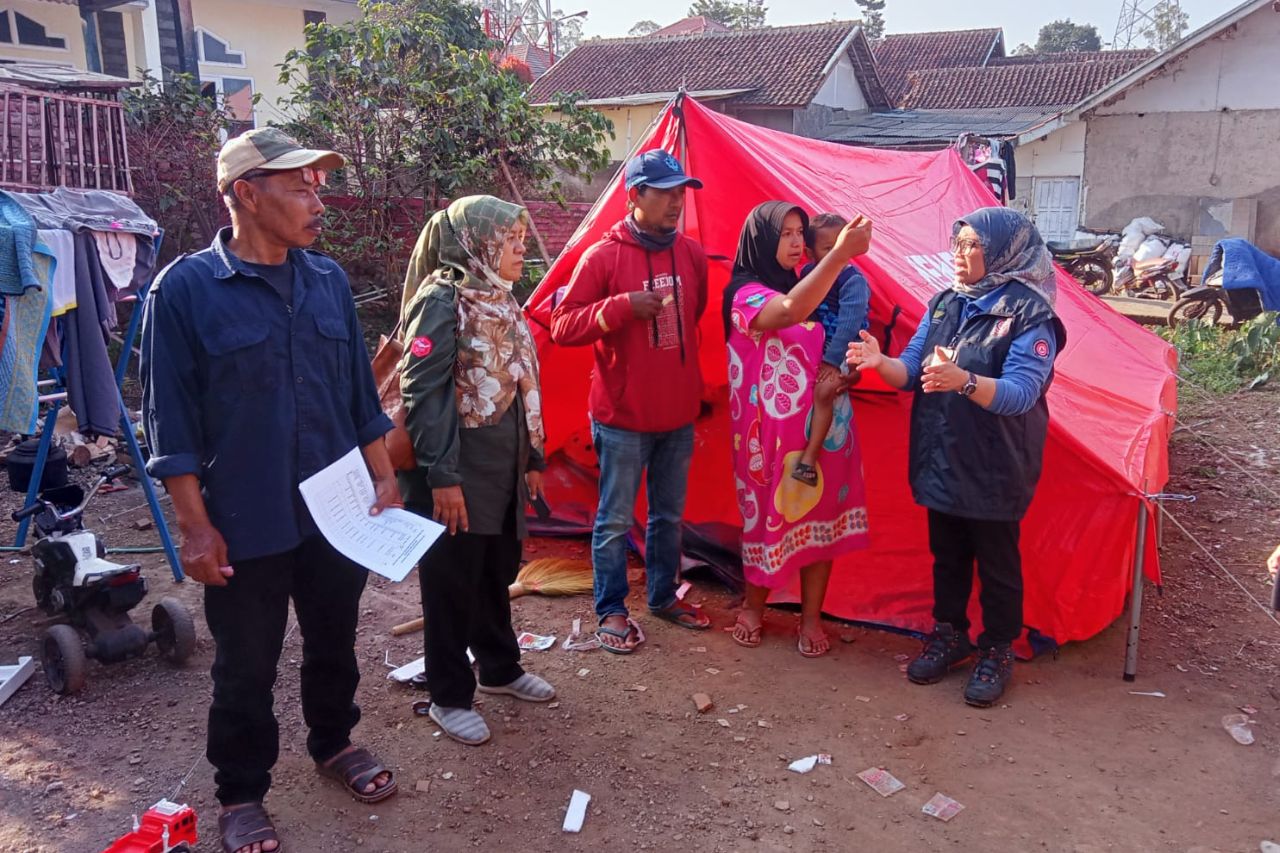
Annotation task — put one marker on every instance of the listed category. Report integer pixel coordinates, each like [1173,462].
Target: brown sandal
[244,825]
[753,637]
[355,769]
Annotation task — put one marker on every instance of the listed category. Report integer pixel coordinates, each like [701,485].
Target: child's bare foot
[805,473]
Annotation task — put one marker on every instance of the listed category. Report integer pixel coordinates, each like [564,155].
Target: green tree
[644,28]
[1023,49]
[872,17]
[1168,25]
[1064,36]
[410,94]
[735,14]
[568,32]
[177,131]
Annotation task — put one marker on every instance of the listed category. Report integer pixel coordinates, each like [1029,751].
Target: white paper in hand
[339,498]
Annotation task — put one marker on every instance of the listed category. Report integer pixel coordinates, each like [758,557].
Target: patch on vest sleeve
[1041,348]
[421,347]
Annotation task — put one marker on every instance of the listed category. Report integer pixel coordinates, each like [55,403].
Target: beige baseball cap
[269,148]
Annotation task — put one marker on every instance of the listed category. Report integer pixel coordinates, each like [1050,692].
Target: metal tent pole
[37,469]
[1135,606]
[149,489]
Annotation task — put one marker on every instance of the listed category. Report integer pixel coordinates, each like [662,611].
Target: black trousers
[247,618]
[465,604]
[956,543]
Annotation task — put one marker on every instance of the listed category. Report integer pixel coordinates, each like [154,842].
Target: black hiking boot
[991,674]
[943,649]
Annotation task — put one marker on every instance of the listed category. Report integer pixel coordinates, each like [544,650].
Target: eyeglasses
[959,246]
[311,176]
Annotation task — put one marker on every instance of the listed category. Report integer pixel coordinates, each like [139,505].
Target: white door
[1057,207]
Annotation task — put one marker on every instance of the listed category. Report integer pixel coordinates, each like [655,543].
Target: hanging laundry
[17,239]
[1010,169]
[145,264]
[87,210]
[984,158]
[118,254]
[91,382]
[26,320]
[61,244]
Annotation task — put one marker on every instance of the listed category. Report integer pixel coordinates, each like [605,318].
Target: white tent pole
[1135,601]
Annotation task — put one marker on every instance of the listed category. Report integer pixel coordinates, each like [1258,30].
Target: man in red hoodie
[636,298]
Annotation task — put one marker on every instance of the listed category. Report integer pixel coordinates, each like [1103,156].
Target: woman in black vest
[980,365]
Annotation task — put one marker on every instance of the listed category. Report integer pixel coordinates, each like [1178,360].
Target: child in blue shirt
[843,314]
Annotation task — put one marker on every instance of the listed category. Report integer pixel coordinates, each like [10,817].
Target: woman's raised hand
[854,239]
[865,354]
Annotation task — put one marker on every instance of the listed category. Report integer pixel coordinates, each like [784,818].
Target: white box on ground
[577,812]
[13,677]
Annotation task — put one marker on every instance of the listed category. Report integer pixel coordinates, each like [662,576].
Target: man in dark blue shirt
[255,376]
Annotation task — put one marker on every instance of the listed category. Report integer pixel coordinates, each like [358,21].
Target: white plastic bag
[1152,247]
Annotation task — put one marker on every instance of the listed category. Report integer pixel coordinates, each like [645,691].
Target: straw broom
[553,576]
[547,576]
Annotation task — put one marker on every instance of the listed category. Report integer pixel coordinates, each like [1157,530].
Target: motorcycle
[1207,302]
[1088,262]
[1156,278]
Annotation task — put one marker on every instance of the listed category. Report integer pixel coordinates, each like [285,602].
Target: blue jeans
[624,455]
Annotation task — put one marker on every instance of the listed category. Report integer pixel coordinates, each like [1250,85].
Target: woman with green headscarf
[469,379]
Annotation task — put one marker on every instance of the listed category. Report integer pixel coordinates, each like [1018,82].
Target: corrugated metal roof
[43,75]
[901,128]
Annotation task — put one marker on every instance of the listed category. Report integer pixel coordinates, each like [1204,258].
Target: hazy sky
[1021,19]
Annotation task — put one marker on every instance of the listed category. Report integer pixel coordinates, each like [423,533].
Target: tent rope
[1248,474]
[1187,533]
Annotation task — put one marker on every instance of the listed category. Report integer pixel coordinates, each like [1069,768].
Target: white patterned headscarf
[497,358]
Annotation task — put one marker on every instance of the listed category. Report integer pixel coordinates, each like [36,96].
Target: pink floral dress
[787,524]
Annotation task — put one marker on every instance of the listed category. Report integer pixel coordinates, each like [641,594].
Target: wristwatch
[970,386]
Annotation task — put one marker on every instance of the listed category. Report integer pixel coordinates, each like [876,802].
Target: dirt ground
[1073,762]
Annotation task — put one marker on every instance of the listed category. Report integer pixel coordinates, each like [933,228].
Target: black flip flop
[632,628]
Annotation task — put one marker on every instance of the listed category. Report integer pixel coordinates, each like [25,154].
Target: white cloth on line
[118,254]
[62,245]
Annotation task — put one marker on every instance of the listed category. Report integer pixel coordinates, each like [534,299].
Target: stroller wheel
[63,658]
[174,629]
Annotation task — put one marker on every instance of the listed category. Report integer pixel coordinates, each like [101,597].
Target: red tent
[1111,404]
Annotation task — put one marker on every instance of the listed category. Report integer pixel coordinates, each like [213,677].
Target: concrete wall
[842,89]
[1058,155]
[1170,165]
[783,120]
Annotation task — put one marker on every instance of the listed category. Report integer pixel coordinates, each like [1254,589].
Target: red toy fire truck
[165,828]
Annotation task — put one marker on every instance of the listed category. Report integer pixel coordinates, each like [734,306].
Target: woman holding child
[791,524]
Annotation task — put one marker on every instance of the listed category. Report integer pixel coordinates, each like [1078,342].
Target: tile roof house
[786,78]
[1020,84]
[944,84]
[897,55]
[1187,137]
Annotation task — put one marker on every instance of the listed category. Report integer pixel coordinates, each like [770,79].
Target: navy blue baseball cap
[660,170]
